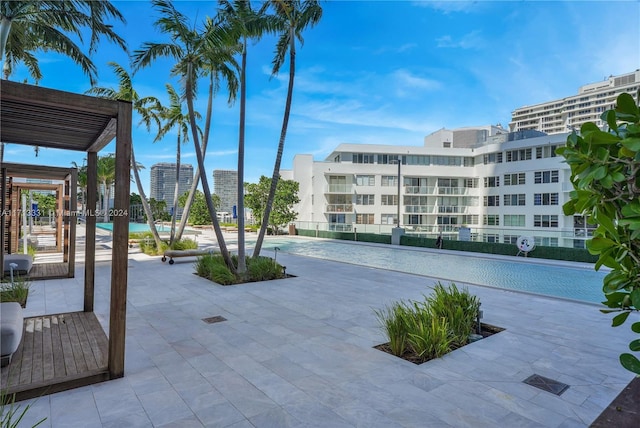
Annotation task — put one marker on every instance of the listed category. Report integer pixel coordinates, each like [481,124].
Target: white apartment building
[500,185]
[567,114]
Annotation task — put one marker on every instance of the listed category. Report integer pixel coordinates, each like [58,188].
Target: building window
[447,220]
[544,220]
[491,181]
[389,199]
[365,199]
[540,177]
[364,218]
[389,180]
[390,159]
[363,158]
[492,158]
[514,220]
[518,155]
[389,219]
[546,241]
[492,201]
[518,199]
[510,239]
[491,220]
[447,182]
[546,151]
[514,179]
[469,161]
[545,199]
[491,237]
[470,182]
[470,219]
[365,180]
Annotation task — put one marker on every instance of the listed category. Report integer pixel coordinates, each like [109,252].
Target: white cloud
[471,40]
[407,83]
[446,7]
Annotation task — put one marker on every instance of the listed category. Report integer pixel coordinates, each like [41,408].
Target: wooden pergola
[72,355]
[65,218]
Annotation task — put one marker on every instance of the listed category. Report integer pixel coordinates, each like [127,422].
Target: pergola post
[73,221]
[120,248]
[90,233]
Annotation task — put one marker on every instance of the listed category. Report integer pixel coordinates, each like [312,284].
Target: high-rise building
[163,182]
[567,114]
[225,185]
[495,184]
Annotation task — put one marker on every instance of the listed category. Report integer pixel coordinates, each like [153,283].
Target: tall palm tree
[106,176]
[188,49]
[219,64]
[27,26]
[174,117]
[148,108]
[82,183]
[246,24]
[295,16]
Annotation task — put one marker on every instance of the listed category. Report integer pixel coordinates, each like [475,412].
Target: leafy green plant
[605,173]
[263,269]
[459,307]
[212,267]
[16,292]
[185,244]
[429,337]
[11,414]
[394,320]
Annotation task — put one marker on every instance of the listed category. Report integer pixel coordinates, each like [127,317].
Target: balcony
[419,190]
[339,208]
[339,188]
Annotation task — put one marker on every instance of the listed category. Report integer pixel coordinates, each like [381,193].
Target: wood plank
[67,349]
[87,354]
[78,356]
[56,345]
[48,370]
[27,352]
[97,339]
[36,367]
[90,231]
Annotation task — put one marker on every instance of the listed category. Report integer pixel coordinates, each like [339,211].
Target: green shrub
[429,337]
[212,267]
[263,269]
[16,292]
[185,244]
[458,307]
[394,320]
[222,275]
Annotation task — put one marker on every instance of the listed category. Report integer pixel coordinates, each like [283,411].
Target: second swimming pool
[577,283]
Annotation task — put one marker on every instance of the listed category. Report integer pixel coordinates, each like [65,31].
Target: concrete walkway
[299,352]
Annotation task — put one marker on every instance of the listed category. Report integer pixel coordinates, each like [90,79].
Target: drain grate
[546,384]
[213,320]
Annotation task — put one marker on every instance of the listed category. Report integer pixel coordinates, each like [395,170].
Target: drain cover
[213,320]
[546,384]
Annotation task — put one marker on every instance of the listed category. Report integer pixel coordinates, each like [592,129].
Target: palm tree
[174,117]
[219,64]
[148,108]
[106,175]
[82,183]
[246,24]
[27,26]
[188,48]
[295,16]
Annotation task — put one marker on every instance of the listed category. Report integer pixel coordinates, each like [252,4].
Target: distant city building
[496,185]
[567,114]
[163,182]
[225,185]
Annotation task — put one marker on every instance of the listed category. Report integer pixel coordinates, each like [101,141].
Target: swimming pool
[577,283]
[134,227]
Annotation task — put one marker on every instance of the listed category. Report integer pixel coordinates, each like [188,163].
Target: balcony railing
[339,188]
[339,208]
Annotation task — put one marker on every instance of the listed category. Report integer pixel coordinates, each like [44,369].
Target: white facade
[481,178]
[567,114]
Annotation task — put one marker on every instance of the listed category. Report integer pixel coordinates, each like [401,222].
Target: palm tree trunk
[175,195]
[145,202]
[205,182]
[5,29]
[283,134]
[242,267]
[194,186]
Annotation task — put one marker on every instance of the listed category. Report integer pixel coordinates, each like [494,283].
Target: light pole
[397,231]
[398,217]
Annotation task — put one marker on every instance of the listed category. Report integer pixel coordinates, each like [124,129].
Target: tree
[106,175]
[174,117]
[82,183]
[245,24]
[294,16]
[190,50]
[199,213]
[286,197]
[30,26]
[605,173]
[148,108]
[159,210]
[135,199]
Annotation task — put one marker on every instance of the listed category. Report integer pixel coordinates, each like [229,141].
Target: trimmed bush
[459,307]
[213,267]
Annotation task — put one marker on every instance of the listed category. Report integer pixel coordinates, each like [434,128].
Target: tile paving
[298,353]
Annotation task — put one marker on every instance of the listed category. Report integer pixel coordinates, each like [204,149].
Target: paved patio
[298,353]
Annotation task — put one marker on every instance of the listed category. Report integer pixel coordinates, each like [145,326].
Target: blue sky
[382,72]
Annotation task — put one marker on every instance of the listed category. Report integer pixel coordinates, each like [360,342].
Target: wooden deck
[57,352]
[49,271]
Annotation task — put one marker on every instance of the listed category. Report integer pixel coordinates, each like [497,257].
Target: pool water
[577,283]
[134,227]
